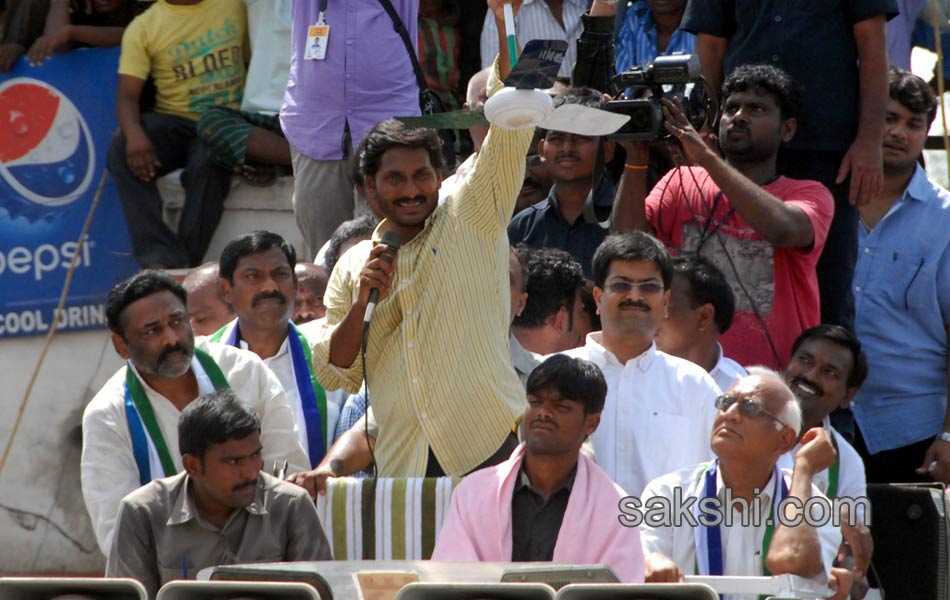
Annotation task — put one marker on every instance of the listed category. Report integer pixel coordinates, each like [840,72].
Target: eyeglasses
[647,288]
[747,407]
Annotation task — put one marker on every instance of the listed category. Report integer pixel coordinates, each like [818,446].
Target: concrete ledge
[247,207]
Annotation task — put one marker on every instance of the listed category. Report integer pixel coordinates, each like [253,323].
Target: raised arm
[796,548]
[780,223]
[712,54]
[629,211]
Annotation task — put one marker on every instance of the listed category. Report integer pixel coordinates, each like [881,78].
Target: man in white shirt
[701,309]
[259,282]
[660,408]
[758,421]
[540,20]
[826,370]
[130,426]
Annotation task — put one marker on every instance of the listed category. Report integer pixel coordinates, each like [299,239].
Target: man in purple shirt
[364,77]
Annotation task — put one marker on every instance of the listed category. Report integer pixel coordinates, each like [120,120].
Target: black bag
[429,101]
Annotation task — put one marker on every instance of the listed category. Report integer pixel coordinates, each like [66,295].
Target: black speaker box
[911,530]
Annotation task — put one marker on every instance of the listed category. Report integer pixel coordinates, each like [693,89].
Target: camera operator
[765,232]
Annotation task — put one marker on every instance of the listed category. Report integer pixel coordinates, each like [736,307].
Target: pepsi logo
[47,153]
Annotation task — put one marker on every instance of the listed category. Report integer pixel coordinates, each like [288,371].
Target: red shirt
[688,211]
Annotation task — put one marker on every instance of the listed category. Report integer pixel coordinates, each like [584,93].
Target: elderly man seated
[220,510]
[766,527]
[548,501]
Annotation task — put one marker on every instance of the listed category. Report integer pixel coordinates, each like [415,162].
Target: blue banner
[56,121]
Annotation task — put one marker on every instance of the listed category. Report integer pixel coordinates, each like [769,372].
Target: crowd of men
[576,325]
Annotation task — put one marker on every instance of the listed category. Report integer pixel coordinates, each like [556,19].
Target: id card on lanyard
[318,36]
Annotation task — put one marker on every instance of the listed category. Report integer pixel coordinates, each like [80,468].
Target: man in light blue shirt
[902,298]
[651,28]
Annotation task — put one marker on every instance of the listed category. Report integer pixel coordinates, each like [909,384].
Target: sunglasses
[647,288]
[747,407]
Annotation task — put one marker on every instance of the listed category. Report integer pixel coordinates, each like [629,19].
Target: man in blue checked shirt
[651,28]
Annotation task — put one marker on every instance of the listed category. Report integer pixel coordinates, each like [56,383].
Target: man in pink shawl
[548,501]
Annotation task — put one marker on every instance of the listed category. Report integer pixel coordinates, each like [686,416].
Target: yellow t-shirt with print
[196,53]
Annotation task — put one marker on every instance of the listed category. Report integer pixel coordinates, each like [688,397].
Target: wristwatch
[944,436]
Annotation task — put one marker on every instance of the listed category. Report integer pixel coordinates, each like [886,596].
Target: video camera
[676,76]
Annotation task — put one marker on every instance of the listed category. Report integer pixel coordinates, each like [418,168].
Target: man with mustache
[259,281]
[128,427]
[764,232]
[826,370]
[902,291]
[757,421]
[220,510]
[438,365]
[548,501]
[659,408]
[559,221]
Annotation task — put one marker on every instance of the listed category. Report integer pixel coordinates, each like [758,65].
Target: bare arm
[712,53]
[349,454]
[57,17]
[797,549]
[62,40]
[497,9]
[863,159]
[629,212]
[139,152]
[602,9]
[781,224]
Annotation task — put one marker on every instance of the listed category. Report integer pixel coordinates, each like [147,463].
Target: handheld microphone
[393,241]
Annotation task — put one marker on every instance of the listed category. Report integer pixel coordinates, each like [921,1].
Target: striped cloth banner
[401,523]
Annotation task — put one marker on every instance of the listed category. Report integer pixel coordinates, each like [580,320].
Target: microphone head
[392,239]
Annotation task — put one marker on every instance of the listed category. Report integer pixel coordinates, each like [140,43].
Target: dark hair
[393,134]
[590,305]
[788,93]
[141,285]
[252,243]
[348,230]
[912,92]
[523,253]
[843,337]
[632,245]
[707,284]
[584,96]
[574,379]
[553,278]
[214,419]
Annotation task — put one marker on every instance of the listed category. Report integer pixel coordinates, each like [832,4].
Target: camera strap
[590,211]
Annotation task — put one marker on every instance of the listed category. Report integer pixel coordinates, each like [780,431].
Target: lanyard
[313,399]
[832,490]
[139,413]
[708,539]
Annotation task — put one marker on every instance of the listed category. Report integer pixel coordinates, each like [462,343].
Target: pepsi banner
[56,121]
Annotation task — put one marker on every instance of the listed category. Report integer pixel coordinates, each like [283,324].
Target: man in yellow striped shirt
[439,370]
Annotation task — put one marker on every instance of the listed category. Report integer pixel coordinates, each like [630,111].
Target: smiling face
[752,127]
[818,375]
[904,135]
[406,188]
[264,289]
[568,157]
[156,336]
[556,425]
